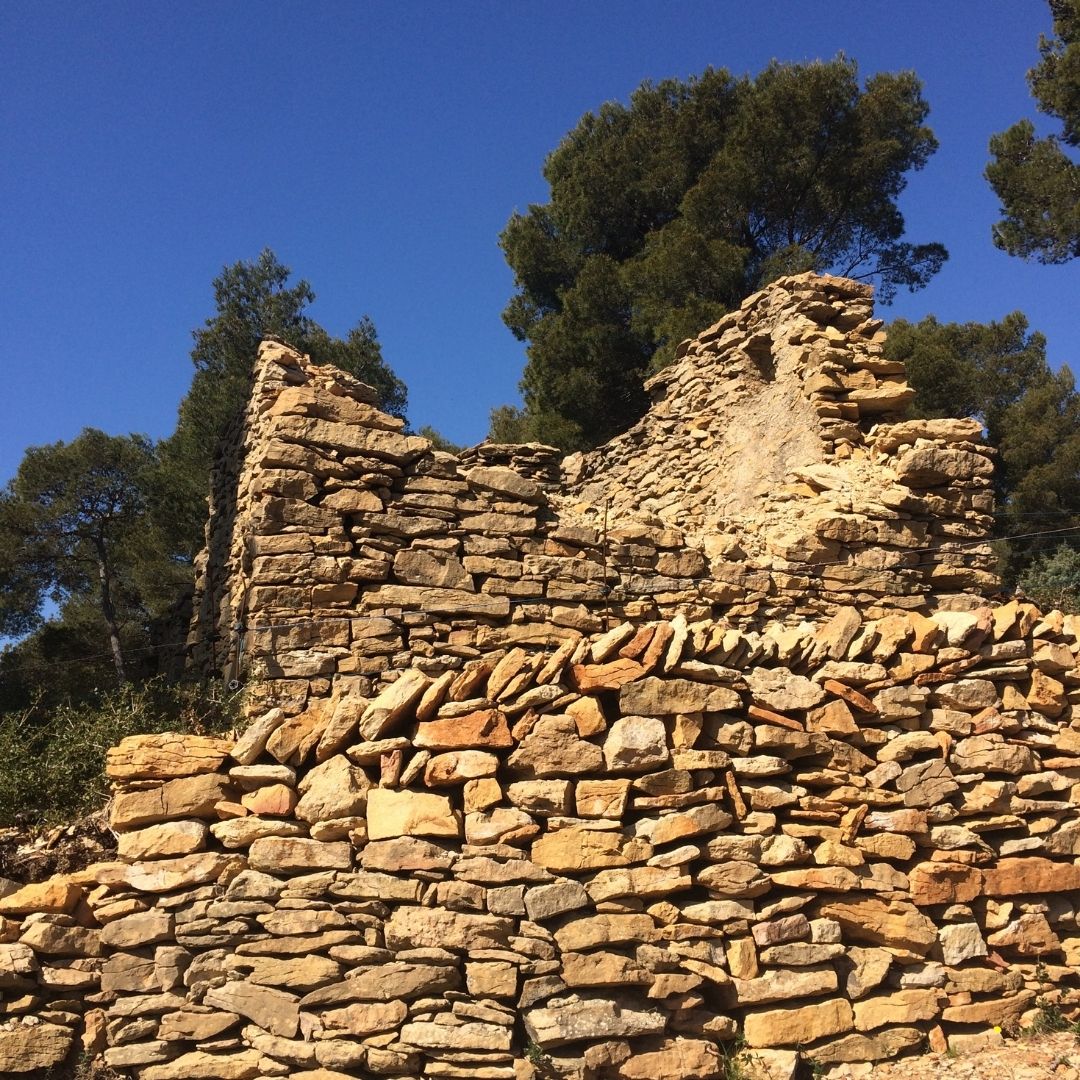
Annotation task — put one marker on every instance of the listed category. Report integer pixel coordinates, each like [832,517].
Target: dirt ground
[28,855]
[1039,1057]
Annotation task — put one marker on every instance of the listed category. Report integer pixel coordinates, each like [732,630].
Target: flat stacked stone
[835,841]
[587,768]
[772,478]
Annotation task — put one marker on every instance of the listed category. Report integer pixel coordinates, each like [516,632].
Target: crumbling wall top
[773,478]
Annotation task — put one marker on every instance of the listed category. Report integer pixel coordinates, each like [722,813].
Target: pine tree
[667,212]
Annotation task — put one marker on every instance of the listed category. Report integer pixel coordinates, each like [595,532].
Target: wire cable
[796,570]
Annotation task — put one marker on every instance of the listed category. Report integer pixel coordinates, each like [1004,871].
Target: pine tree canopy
[667,212]
[1036,179]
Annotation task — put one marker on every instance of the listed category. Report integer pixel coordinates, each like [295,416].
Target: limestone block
[545,798]
[573,850]
[592,678]
[684,825]
[273,1010]
[199,1065]
[590,932]
[195,1024]
[635,744]
[160,841]
[901,1007]
[588,716]
[297,973]
[389,982]
[171,963]
[868,970]
[778,931]
[467,1036]
[970,695]
[351,438]
[501,825]
[419,567]
[130,972]
[930,466]
[483,729]
[242,832]
[405,854]
[549,901]
[388,709]
[165,875]
[352,501]
[944,883]
[58,896]
[768,1064]
[333,789]
[794,1026]
[410,813]
[504,481]
[553,748]
[134,1054]
[999,1012]
[675,1059]
[734,879]
[783,985]
[163,757]
[778,688]
[269,800]
[1047,695]
[601,798]
[648,882]
[429,928]
[297,736]
[492,980]
[188,797]
[454,602]
[291,855]
[1030,876]
[892,924]
[18,963]
[135,931]
[663,697]
[881,1046]
[24,1048]
[458,766]
[594,1019]
[961,1043]
[367,885]
[253,741]
[801,954]
[1029,935]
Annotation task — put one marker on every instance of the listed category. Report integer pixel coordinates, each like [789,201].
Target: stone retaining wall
[610,858]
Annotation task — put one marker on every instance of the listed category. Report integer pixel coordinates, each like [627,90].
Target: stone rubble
[526,796]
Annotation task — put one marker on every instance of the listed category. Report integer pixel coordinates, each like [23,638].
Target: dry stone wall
[771,479]
[594,769]
[609,858]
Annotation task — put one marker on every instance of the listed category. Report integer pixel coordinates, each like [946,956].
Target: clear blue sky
[379,148]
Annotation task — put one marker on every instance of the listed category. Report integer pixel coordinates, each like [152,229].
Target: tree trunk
[108,611]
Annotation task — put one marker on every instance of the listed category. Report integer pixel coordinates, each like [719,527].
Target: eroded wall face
[609,858]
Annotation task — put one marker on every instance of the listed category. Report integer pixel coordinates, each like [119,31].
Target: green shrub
[1053,581]
[52,760]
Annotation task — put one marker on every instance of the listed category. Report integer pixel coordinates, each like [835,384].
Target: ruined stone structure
[771,480]
[591,768]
